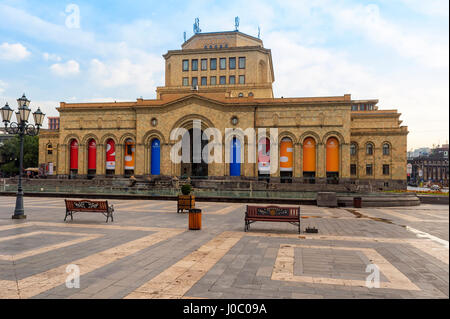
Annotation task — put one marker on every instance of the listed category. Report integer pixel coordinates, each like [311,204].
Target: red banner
[110,155]
[92,154]
[74,154]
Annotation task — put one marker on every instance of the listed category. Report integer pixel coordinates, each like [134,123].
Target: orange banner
[286,155]
[332,155]
[309,155]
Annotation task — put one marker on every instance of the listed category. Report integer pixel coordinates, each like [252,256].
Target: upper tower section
[230,63]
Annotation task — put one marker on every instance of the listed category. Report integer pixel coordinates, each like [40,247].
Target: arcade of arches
[320,139]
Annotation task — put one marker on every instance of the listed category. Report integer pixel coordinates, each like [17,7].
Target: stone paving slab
[148,252]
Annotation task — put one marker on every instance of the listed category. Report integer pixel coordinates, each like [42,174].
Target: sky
[396,51]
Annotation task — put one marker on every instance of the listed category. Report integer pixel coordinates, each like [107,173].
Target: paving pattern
[148,252]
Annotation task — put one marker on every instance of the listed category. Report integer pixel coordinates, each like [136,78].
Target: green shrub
[186,189]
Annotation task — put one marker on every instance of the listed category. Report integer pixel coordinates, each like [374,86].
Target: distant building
[423,151]
[53,123]
[432,167]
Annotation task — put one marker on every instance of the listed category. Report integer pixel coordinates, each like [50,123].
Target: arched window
[369,149]
[386,149]
[353,149]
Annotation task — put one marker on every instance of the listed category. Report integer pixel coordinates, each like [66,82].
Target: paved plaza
[148,252]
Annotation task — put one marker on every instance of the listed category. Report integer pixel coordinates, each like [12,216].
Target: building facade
[224,80]
[430,168]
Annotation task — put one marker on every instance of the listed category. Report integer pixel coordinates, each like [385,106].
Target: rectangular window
[354,107]
[195,65]
[242,63]
[203,80]
[232,62]
[204,65]
[369,169]
[385,169]
[212,80]
[223,63]
[185,65]
[352,169]
[185,81]
[223,80]
[194,82]
[241,79]
[213,64]
[232,79]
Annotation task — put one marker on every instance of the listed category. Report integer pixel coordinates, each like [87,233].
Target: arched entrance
[92,158]
[309,160]
[155,157]
[235,160]
[197,165]
[332,158]
[73,158]
[264,158]
[110,157]
[129,157]
[286,156]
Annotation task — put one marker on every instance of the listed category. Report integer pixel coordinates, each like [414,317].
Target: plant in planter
[186,201]
[186,189]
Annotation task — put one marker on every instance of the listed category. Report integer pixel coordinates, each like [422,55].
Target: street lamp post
[21,128]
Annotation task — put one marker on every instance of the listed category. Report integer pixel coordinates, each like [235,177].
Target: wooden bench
[272,214]
[89,206]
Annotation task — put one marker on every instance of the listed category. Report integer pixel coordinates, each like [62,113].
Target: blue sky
[395,51]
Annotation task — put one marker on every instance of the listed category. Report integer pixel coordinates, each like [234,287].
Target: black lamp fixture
[21,128]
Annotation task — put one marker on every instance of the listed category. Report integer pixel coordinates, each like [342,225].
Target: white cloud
[421,97]
[2,86]
[427,49]
[142,74]
[69,68]
[51,57]
[429,7]
[13,52]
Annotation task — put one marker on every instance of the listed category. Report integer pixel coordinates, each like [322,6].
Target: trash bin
[195,219]
[357,202]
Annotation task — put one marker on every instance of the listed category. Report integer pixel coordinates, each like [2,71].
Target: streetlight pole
[21,128]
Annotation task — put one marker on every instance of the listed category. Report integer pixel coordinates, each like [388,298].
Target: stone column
[321,163]
[139,160]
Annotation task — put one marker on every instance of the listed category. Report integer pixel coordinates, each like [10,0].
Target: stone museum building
[224,80]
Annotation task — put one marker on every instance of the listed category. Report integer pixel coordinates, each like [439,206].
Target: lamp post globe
[6,112]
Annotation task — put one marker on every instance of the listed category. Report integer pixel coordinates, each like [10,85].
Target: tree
[10,151]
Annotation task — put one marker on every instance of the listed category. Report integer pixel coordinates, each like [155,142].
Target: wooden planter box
[195,219]
[185,202]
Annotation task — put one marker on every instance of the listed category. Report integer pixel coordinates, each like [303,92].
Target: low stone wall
[381,201]
[434,199]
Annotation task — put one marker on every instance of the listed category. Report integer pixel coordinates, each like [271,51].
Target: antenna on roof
[184,36]
[236,24]
[197,26]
